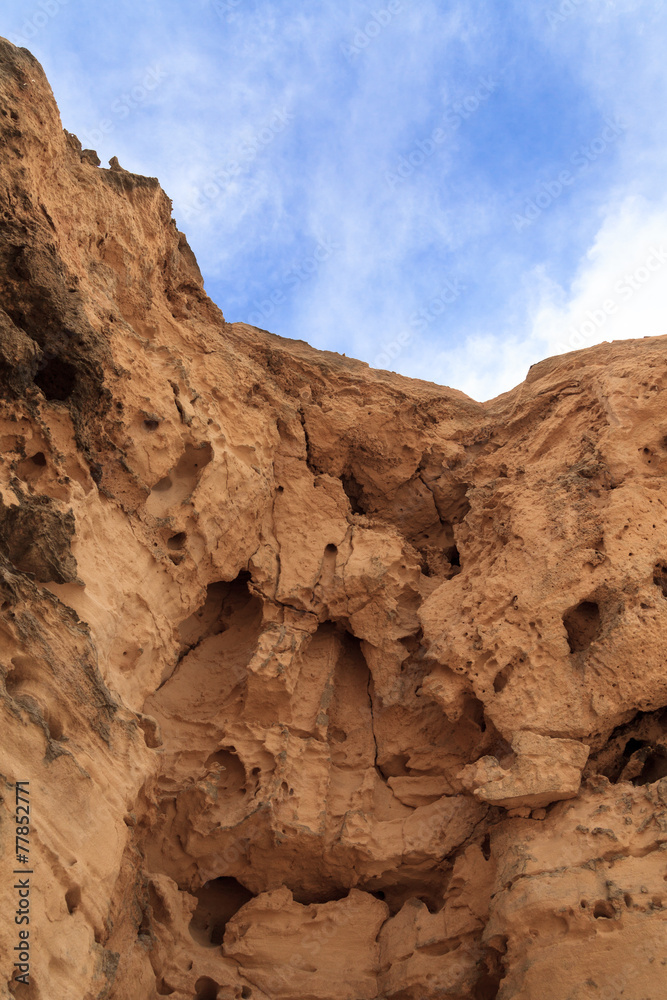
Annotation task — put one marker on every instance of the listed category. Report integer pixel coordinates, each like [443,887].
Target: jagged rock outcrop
[329,684]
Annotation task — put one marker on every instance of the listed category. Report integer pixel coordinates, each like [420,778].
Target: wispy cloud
[476,114]
[619,292]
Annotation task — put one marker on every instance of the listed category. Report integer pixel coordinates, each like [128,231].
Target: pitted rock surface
[329,684]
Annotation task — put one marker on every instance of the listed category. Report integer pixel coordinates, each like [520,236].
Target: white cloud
[357,117]
[619,293]
[620,290]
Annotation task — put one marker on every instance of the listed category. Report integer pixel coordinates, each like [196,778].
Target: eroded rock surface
[329,684]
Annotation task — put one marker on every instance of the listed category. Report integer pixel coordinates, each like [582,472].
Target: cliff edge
[317,682]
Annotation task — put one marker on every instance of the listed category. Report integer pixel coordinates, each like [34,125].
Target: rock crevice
[328,683]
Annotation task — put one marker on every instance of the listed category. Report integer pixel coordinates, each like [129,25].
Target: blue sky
[450,190]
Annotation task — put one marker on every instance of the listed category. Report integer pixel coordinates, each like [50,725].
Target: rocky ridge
[329,684]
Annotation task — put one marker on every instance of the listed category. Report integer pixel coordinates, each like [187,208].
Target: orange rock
[544,770]
[327,683]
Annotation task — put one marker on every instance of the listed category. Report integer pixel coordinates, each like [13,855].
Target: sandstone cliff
[328,684]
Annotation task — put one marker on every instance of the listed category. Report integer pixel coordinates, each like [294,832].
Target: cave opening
[655,767]
[224,600]
[217,902]
[206,988]
[354,492]
[660,578]
[56,379]
[454,556]
[582,624]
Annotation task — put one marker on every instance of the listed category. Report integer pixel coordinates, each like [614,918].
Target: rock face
[328,684]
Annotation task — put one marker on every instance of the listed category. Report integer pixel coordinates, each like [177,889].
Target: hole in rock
[502,678]
[604,909]
[395,766]
[488,984]
[217,902]
[73,899]
[453,556]
[224,600]
[632,746]
[486,987]
[39,459]
[177,541]
[486,847]
[474,710]
[246,993]
[397,893]
[56,379]
[627,898]
[180,482]
[151,425]
[354,492]
[582,625]
[660,578]
[328,570]
[232,778]
[655,767]
[206,989]
[432,904]
[439,555]
[162,485]
[351,707]
[634,750]
[162,989]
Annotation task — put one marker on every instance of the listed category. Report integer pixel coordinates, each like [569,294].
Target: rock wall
[328,684]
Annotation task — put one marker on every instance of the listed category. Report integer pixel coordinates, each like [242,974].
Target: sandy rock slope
[328,684]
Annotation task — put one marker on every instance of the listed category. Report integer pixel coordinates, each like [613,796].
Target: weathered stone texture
[329,684]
